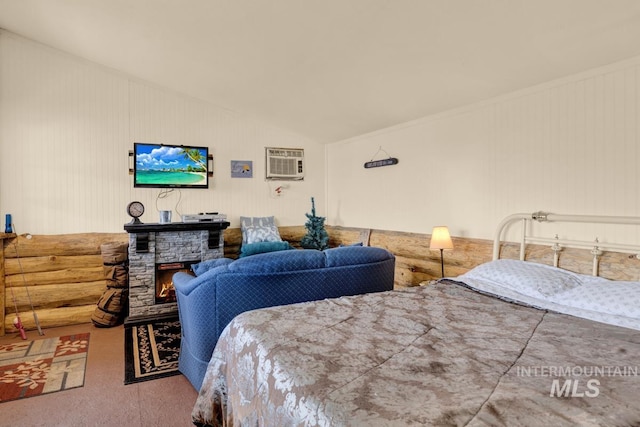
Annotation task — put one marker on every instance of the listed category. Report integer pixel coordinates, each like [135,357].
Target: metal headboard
[557,244]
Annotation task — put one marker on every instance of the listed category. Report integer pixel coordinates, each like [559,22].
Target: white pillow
[550,288]
[527,278]
[259,229]
[618,298]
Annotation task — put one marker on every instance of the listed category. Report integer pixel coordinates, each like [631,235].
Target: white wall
[569,146]
[67,125]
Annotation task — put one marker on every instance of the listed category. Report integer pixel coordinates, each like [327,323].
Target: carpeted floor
[32,368]
[151,350]
[104,400]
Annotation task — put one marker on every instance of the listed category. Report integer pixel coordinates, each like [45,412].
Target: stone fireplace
[156,252]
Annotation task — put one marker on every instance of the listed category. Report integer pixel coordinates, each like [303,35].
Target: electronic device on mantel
[204,217]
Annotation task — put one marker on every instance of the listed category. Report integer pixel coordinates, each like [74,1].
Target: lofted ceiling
[334,69]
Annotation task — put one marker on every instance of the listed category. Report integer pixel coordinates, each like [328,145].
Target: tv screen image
[170,166]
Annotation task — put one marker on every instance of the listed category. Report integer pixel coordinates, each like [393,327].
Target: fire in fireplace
[165,292]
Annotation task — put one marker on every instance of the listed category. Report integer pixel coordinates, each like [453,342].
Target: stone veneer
[150,244]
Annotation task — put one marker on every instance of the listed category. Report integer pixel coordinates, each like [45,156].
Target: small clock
[135,211]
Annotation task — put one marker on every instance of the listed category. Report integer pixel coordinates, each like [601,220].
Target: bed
[511,342]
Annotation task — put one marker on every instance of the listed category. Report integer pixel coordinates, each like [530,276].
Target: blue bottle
[8,228]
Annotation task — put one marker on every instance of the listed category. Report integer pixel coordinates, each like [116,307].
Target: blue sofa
[209,301]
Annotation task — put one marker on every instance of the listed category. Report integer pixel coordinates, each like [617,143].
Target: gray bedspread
[435,355]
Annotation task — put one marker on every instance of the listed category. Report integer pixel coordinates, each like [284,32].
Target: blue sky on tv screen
[154,157]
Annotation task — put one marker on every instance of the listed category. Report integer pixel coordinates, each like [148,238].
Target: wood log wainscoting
[65,277]
[62,276]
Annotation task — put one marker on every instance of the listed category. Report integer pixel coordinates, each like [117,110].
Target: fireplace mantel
[175,226]
[142,230]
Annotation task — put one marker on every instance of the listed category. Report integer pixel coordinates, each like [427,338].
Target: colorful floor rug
[151,351]
[32,368]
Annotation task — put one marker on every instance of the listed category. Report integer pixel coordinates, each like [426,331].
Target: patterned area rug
[32,368]
[151,351]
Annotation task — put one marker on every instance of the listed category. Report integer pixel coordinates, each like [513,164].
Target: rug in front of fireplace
[151,350]
[33,368]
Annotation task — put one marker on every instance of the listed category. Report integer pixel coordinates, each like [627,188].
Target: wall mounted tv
[170,166]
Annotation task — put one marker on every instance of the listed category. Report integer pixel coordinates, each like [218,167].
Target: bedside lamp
[440,239]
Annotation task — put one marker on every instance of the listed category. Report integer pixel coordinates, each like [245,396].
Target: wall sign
[378,163]
[384,162]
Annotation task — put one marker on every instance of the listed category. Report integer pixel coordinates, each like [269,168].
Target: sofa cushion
[204,266]
[353,255]
[272,262]
[263,247]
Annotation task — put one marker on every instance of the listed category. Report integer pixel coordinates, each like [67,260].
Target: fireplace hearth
[156,252]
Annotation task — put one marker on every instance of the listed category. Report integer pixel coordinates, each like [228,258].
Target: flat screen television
[170,166]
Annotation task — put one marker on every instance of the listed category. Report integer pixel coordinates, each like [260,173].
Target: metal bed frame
[557,244]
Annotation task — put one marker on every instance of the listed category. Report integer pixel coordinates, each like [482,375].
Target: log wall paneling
[64,273]
[5,238]
[415,262]
[60,277]
[232,242]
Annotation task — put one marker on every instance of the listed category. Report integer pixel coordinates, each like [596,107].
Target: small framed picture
[241,169]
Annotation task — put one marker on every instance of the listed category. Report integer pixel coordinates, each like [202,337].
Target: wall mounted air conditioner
[284,163]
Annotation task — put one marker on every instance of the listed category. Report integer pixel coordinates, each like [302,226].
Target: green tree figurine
[316,237]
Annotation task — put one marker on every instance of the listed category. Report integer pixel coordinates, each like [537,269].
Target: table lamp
[440,239]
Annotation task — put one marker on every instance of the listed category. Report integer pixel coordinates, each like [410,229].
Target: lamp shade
[440,238]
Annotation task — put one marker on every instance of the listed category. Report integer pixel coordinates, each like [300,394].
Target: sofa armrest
[196,298]
[186,283]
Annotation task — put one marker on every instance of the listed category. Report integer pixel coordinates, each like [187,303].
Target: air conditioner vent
[284,163]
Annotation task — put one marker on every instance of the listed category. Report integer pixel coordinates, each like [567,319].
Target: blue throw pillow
[262,247]
[204,266]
